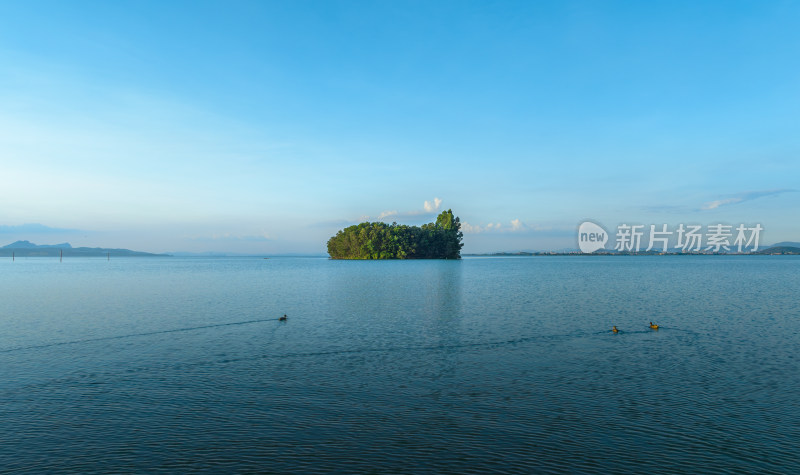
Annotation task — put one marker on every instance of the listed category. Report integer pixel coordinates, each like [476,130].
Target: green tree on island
[439,240]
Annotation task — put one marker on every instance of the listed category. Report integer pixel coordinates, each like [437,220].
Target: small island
[378,240]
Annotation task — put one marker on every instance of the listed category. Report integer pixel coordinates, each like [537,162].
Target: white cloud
[434,206]
[467,228]
[263,236]
[741,197]
[386,214]
[717,203]
[515,225]
[428,207]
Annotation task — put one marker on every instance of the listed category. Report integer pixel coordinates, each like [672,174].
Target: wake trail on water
[262,320]
[133,335]
[95,377]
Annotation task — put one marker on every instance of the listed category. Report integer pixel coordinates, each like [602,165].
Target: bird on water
[653,326]
[283,318]
[614,329]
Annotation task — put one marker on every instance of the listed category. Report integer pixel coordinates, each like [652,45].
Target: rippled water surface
[480,365]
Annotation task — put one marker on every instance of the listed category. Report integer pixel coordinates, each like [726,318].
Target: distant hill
[785,244]
[772,250]
[30,245]
[780,250]
[29,249]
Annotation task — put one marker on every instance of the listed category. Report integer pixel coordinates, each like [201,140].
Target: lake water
[503,365]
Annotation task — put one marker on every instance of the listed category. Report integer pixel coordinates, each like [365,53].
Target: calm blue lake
[503,365]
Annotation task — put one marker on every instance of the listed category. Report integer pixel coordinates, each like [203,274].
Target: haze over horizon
[265,127]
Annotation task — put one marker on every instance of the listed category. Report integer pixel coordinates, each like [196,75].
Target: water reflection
[394,367]
[401,303]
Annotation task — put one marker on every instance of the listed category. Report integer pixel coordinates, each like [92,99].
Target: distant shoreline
[29,249]
[76,252]
[764,252]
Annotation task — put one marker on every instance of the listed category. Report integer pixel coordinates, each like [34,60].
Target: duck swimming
[283,318]
[614,329]
[653,326]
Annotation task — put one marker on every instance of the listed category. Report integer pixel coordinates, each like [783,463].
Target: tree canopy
[378,240]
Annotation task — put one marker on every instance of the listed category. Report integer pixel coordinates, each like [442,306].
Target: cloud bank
[742,197]
[428,207]
[34,228]
[515,225]
[227,236]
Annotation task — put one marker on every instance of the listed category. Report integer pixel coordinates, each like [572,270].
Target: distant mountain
[780,250]
[30,245]
[29,249]
[785,244]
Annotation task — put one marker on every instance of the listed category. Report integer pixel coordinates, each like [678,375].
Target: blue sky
[267,126]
